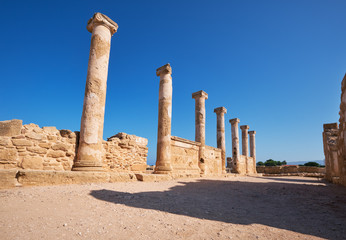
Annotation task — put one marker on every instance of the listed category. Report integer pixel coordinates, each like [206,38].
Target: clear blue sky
[275,65]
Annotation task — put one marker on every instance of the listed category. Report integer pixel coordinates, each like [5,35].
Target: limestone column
[220,127]
[163,156]
[245,140]
[235,143]
[89,155]
[253,148]
[200,98]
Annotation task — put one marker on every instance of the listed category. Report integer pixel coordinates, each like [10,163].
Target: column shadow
[316,210]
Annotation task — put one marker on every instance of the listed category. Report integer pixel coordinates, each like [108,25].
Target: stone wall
[245,165]
[291,170]
[31,147]
[334,144]
[213,160]
[184,156]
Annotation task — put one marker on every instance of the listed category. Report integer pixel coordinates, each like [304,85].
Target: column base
[87,166]
[163,170]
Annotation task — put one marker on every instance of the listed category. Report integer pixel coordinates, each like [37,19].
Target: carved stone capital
[165,69]
[234,120]
[252,132]
[101,19]
[220,110]
[330,126]
[244,127]
[199,94]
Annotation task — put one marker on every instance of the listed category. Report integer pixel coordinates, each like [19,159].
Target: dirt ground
[213,208]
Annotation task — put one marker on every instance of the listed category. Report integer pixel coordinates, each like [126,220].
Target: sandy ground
[222,208]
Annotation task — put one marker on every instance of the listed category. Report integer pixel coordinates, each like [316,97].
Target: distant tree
[270,162]
[312,164]
[260,163]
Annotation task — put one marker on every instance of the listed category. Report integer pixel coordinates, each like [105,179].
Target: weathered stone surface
[8,179]
[200,98]
[8,154]
[33,135]
[153,177]
[56,154]
[220,135]
[5,141]
[21,142]
[89,154]
[51,130]
[139,167]
[10,127]
[38,150]
[163,153]
[60,146]
[45,145]
[30,162]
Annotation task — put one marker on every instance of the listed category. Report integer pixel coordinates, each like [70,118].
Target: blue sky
[275,65]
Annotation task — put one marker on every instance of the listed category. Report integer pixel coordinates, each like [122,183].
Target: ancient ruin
[64,156]
[334,144]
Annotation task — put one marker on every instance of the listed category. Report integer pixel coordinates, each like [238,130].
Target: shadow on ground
[318,210]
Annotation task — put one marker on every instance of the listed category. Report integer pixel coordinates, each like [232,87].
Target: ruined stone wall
[341,144]
[334,144]
[291,170]
[125,152]
[31,147]
[213,160]
[251,167]
[185,156]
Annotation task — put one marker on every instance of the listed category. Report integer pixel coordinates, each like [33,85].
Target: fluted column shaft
[253,148]
[245,140]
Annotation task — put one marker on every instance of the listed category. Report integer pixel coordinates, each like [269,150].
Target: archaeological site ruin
[334,144]
[31,155]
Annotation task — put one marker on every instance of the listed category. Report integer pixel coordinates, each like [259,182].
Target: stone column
[163,156]
[221,142]
[235,143]
[253,148]
[245,140]
[200,98]
[89,156]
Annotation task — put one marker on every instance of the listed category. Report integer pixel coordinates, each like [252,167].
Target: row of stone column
[163,157]
[89,153]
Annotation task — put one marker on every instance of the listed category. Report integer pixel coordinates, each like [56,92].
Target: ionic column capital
[101,19]
[165,69]
[200,94]
[252,132]
[244,127]
[234,120]
[220,110]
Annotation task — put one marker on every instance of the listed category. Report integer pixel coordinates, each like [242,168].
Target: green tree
[270,162]
[260,163]
[312,164]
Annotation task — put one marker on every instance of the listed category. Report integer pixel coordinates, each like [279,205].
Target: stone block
[45,145]
[56,154]
[60,146]
[21,142]
[10,127]
[36,136]
[8,154]
[153,177]
[51,130]
[32,162]
[37,150]
[139,167]
[5,141]
[8,179]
